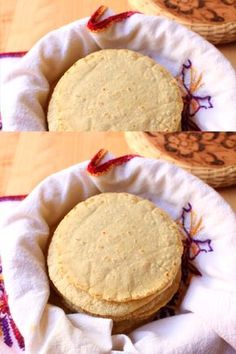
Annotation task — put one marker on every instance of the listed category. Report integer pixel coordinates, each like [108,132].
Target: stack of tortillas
[210,156]
[214,20]
[118,256]
[112,89]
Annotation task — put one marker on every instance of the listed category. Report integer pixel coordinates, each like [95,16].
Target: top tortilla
[118,247]
[118,90]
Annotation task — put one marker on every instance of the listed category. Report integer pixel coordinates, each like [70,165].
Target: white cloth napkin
[206,320]
[7,64]
[212,97]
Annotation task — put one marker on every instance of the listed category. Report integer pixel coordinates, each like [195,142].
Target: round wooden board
[214,20]
[208,155]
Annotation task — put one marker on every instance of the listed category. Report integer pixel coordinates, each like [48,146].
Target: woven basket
[220,30]
[209,156]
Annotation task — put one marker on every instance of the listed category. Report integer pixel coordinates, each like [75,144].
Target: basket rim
[181,20]
[223,172]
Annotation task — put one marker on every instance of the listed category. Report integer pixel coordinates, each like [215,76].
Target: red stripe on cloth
[95,25]
[95,169]
[13,198]
[12,55]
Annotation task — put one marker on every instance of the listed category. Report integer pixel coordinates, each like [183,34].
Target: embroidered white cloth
[8,340]
[208,79]
[206,320]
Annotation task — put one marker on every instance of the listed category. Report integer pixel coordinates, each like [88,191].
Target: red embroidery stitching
[190,227]
[8,327]
[94,25]
[94,169]
[190,82]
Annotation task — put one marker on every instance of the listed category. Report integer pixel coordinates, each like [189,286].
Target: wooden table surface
[23,22]
[27,158]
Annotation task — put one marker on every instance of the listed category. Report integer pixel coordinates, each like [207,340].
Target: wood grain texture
[23,22]
[7,11]
[29,20]
[27,158]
